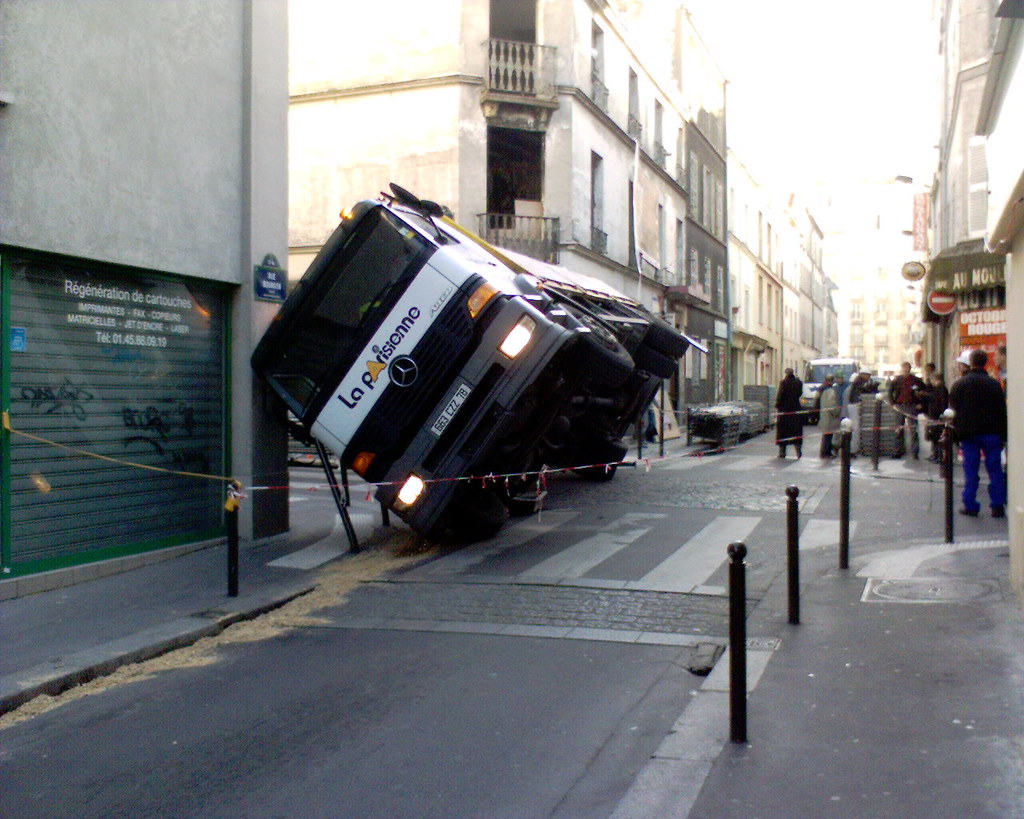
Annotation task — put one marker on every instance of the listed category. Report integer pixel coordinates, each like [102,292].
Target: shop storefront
[114,395]
[964,304]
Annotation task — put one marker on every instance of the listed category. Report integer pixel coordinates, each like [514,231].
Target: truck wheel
[601,453]
[650,360]
[664,338]
[604,359]
[477,514]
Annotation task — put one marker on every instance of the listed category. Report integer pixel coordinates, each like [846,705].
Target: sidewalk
[61,637]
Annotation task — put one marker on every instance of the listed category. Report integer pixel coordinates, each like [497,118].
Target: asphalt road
[531,675]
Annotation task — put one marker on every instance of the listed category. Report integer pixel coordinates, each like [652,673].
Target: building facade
[965,286]
[134,204]
[868,240]
[754,283]
[559,130]
[1001,124]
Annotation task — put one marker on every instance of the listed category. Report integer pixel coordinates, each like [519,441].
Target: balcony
[599,92]
[660,155]
[519,89]
[634,128]
[535,236]
[598,241]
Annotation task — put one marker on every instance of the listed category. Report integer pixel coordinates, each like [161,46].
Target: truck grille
[401,411]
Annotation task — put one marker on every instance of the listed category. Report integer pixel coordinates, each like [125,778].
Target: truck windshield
[816,372]
[343,299]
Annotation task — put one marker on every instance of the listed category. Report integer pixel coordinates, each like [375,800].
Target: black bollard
[844,498]
[876,433]
[947,465]
[661,423]
[737,643]
[231,519]
[793,552]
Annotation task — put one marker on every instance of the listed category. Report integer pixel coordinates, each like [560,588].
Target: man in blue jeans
[980,427]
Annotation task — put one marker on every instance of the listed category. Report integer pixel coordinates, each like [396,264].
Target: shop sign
[942,304]
[983,330]
[975,278]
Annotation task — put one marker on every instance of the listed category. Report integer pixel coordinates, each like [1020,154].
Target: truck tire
[477,514]
[604,359]
[604,452]
[664,338]
[656,363]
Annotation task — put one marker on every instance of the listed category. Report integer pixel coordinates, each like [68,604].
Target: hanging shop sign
[970,278]
[940,303]
[119,375]
[913,271]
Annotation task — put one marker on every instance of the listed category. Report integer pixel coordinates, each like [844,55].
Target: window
[598,238]
[719,209]
[633,127]
[662,239]
[694,183]
[705,278]
[691,278]
[720,287]
[856,310]
[680,250]
[760,300]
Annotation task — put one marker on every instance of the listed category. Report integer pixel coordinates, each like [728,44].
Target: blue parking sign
[19,340]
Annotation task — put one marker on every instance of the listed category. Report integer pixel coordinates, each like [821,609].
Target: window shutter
[977,187]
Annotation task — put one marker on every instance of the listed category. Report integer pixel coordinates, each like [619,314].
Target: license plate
[451,408]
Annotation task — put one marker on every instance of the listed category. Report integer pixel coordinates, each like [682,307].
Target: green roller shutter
[118,364]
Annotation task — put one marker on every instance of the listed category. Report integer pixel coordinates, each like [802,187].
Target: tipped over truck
[422,356]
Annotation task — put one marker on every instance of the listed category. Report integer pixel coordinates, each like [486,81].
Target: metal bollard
[661,423]
[793,552]
[844,493]
[231,519]
[948,451]
[877,433]
[737,642]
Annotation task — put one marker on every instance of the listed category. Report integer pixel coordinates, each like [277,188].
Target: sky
[827,91]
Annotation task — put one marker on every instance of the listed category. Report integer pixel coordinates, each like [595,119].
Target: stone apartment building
[755,282]
[584,132]
[965,287]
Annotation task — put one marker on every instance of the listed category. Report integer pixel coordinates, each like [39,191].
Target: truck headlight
[518,337]
[411,490]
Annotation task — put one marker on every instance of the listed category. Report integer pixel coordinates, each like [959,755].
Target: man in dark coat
[789,424]
[980,427]
[903,396]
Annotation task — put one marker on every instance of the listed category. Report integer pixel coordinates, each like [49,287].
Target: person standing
[980,427]
[789,423]
[828,415]
[922,403]
[858,387]
[937,401]
[903,396]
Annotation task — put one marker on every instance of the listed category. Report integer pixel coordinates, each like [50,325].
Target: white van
[814,374]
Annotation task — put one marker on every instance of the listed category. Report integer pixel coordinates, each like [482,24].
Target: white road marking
[822,532]
[508,538]
[333,546]
[583,556]
[696,560]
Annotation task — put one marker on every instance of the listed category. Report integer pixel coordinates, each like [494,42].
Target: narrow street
[534,674]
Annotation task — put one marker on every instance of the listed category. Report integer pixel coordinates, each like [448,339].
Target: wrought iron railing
[634,128]
[599,92]
[660,154]
[520,68]
[536,236]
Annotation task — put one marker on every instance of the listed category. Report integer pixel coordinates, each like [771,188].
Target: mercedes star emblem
[403,371]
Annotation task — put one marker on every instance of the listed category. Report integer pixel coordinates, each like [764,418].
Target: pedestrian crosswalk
[655,552]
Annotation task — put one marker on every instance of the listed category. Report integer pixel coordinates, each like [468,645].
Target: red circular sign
[942,304]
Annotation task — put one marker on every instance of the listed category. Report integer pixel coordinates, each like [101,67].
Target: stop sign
[942,304]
